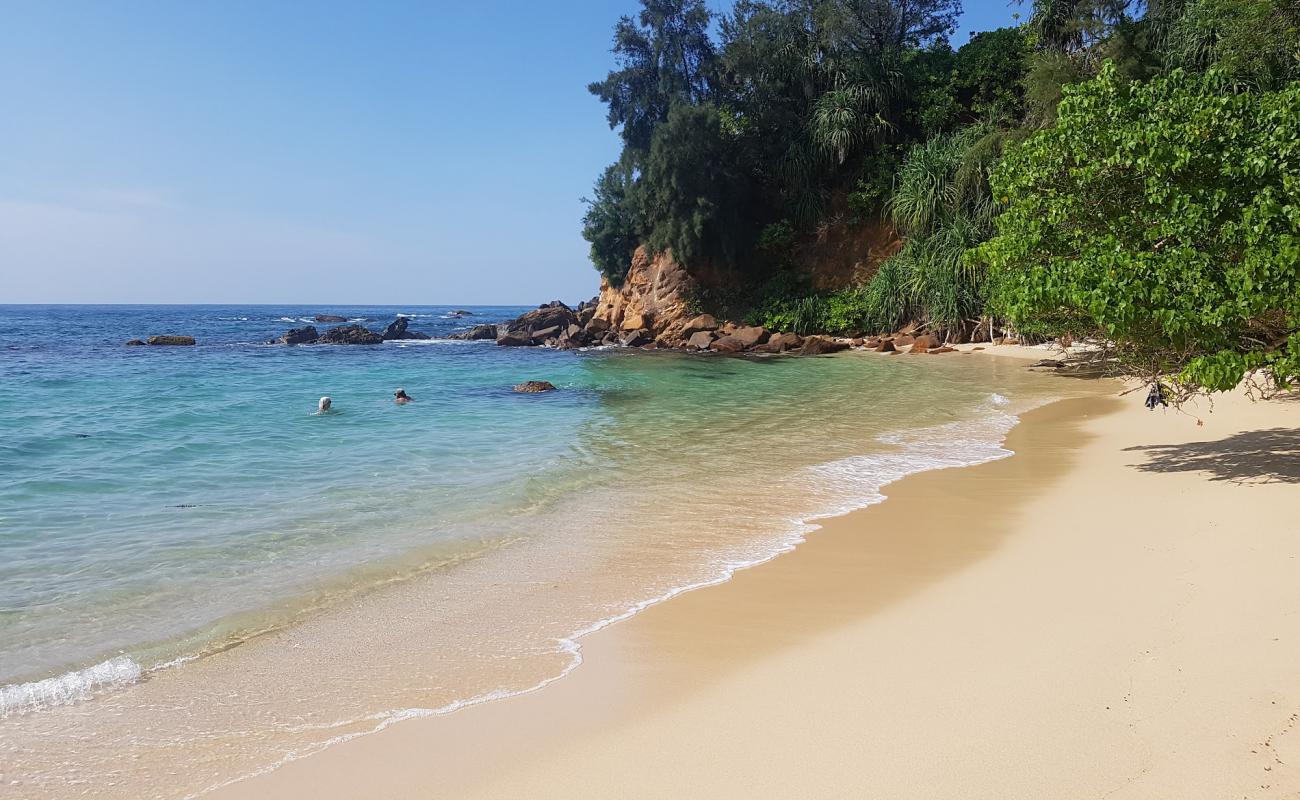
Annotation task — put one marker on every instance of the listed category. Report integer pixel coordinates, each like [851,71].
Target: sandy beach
[1109,613]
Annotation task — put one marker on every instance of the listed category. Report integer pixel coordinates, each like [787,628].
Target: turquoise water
[180,531]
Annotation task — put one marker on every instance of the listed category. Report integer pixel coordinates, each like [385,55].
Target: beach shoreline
[962,659]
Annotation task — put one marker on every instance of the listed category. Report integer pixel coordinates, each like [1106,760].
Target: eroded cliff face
[653,297]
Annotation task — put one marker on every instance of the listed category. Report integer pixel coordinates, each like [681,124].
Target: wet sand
[1112,612]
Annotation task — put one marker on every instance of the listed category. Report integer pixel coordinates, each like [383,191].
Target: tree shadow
[1267,456]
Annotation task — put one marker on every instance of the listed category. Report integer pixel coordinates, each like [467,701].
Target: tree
[665,57]
[1166,213]
[613,222]
[695,197]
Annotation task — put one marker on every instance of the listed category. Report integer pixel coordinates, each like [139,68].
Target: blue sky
[241,151]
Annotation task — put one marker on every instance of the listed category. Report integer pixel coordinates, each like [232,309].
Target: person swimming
[402,398]
[323,407]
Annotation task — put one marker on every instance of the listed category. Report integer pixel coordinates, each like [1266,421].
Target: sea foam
[70,687]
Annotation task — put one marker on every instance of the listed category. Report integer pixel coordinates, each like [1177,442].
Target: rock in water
[304,335]
[700,340]
[476,333]
[350,334]
[330,318]
[135,343]
[397,331]
[534,387]
[539,326]
[172,341]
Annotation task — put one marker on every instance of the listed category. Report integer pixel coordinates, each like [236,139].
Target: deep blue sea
[179,530]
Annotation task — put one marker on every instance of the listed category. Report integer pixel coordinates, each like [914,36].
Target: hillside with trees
[1120,170]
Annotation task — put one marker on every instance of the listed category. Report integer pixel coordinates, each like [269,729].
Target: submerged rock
[171,341]
[350,334]
[135,343]
[534,387]
[330,318]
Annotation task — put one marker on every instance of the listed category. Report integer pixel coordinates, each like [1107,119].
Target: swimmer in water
[323,407]
[402,398]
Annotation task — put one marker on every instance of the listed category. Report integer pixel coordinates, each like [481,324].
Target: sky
[246,151]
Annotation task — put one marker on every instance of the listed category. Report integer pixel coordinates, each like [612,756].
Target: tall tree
[665,57]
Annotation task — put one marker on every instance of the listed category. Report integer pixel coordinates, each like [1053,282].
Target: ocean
[201,578]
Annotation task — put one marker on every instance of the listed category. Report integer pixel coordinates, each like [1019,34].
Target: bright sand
[1111,613]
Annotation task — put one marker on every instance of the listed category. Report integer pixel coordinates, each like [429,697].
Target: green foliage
[694,196]
[1166,213]
[1256,42]
[988,75]
[665,57]
[611,223]
[777,239]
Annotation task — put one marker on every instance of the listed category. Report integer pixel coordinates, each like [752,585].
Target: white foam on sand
[68,688]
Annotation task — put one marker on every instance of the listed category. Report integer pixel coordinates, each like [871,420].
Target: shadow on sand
[1267,456]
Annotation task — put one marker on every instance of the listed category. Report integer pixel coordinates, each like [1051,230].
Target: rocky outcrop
[330,318]
[535,387]
[305,335]
[350,334]
[171,341]
[476,333]
[654,296]
[537,326]
[397,331]
[135,343]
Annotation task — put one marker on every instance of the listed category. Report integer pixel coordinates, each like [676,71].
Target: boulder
[903,339]
[634,322]
[945,349]
[541,336]
[350,334]
[135,343]
[513,338]
[925,342]
[700,340]
[171,341]
[750,336]
[702,322]
[780,342]
[821,345]
[330,318]
[728,344]
[476,333]
[636,338]
[858,342]
[598,325]
[886,346]
[304,335]
[397,331]
[534,387]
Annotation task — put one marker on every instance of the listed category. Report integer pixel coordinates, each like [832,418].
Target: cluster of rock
[351,334]
[163,341]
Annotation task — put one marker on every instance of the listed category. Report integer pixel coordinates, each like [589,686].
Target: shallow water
[199,577]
